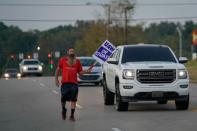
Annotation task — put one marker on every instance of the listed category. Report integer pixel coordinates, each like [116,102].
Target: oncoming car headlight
[128,74]
[40,68]
[25,68]
[18,75]
[6,75]
[182,74]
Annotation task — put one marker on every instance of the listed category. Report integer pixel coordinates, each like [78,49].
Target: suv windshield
[147,53]
[88,62]
[31,62]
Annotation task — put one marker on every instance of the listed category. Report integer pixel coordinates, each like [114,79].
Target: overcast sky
[88,12]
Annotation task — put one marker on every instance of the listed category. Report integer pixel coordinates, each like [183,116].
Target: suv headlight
[182,74]
[18,75]
[128,74]
[40,68]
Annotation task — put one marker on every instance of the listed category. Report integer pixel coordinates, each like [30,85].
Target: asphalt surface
[33,104]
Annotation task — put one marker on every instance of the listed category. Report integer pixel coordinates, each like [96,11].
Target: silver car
[31,67]
[95,76]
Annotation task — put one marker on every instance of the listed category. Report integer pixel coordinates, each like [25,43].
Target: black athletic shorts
[69,92]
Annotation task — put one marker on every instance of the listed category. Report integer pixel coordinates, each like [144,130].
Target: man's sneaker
[72,118]
[64,115]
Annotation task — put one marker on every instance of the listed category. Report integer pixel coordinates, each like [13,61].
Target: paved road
[33,104]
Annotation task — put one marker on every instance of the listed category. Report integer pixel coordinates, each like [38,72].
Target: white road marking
[54,91]
[41,84]
[116,129]
[33,80]
[79,106]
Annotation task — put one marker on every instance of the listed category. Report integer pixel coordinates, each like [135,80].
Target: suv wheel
[108,95]
[182,104]
[162,102]
[120,106]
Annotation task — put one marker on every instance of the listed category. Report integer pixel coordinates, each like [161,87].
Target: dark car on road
[11,73]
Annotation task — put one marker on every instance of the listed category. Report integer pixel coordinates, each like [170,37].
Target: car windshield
[147,53]
[31,62]
[88,62]
[11,71]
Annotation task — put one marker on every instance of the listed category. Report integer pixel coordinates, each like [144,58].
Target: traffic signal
[51,64]
[49,55]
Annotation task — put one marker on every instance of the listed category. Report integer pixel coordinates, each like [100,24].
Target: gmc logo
[156,74]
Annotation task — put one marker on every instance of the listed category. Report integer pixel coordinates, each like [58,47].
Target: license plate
[157,94]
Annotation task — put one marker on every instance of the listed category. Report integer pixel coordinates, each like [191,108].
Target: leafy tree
[86,37]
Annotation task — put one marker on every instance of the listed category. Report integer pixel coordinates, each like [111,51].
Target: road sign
[35,55]
[21,56]
[104,52]
[194,37]
[57,54]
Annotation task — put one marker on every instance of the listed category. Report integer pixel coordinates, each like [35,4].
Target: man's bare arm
[57,73]
[88,71]
[84,72]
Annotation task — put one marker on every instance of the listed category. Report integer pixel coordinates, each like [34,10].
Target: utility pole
[108,20]
[180,41]
[126,9]
[125,27]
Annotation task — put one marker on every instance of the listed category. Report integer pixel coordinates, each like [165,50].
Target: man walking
[70,67]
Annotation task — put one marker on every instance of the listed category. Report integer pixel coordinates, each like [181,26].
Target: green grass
[192,69]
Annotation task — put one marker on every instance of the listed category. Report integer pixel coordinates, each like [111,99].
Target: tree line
[86,37]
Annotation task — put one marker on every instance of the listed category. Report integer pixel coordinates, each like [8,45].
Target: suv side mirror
[183,60]
[42,64]
[112,61]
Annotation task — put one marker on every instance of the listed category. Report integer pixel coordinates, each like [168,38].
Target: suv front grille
[32,68]
[156,76]
[88,77]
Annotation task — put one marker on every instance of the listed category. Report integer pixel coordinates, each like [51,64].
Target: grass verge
[192,69]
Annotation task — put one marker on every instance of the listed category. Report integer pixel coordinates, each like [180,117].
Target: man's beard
[71,59]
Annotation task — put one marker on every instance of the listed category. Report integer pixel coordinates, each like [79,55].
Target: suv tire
[120,105]
[182,104]
[107,95]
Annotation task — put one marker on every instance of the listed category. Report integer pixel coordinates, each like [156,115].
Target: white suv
[145,72]
[31,67]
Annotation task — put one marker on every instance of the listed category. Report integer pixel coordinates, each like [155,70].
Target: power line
[43,20]
[73,20]
[21,4]
[165,18]
[167,4]
[98,4]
